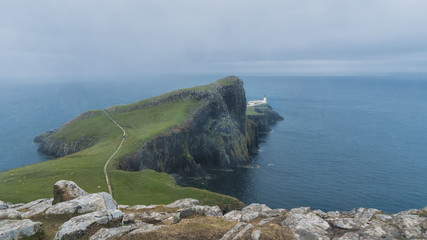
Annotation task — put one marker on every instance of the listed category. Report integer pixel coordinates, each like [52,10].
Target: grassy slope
[86,167]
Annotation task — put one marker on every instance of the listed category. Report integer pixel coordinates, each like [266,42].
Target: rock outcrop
[65,191]
[264,116]
[256,221]
[19,229]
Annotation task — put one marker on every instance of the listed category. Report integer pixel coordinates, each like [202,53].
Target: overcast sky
[97,38]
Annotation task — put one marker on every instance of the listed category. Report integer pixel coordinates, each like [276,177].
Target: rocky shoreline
[73,213]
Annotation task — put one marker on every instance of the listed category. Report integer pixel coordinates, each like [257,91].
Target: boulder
[256,207]
[256,234]
[3,205]
[89,203]
[9,213]
[202,210]
[233,215]
[411,225]
[34,208]
[306,225]
[64,190]
[253,211]
[108,233]
[265,221]
[383,217]
[144,227]
[158,217]
[348,223]
[77,227]
[18,229]
[366,213]
[248,216]
[184,203]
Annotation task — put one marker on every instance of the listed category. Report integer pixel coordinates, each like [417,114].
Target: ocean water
[346,142]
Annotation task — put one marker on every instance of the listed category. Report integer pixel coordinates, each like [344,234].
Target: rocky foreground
[74,214]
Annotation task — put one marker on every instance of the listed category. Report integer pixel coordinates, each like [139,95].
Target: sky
[99,38]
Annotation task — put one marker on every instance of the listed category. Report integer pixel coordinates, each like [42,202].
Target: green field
[86,167]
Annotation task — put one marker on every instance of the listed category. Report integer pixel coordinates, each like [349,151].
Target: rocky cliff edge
[75,214]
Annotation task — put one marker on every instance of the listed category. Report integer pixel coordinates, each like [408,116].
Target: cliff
[216,135]
[264,116]
[75,214]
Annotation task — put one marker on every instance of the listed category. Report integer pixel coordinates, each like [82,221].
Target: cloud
[115,38]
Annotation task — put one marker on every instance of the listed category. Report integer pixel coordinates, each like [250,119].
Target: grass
[86,167]
[252,110]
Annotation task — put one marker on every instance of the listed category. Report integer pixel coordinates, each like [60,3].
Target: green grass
[252,110]
[86,167]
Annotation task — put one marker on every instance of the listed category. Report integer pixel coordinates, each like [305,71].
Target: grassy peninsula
[86,167]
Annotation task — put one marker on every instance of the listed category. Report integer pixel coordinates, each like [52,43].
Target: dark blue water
[345,142]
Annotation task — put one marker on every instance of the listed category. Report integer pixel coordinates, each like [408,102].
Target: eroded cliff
[217,135]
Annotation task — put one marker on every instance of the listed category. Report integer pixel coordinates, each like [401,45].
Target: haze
[98,38]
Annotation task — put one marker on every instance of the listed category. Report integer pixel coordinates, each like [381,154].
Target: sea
[345,142]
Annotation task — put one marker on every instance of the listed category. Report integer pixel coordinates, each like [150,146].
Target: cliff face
[58,147]
[264,115]
[55,148]
[217,135]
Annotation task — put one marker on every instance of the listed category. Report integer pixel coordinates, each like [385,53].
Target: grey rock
[184,203]
[15,205]
[77,227]
[144,227]
[306,225]
[366,213]
[256,207]
[34,208]
[90,203]
[233,215]
[383,217]
[320,213]
[128,218]
[214,211]
[64,190]
[141,207]
[158,217]
[17,229]
[374,230]
[301,210]
[272,213]
[234,231]
[348,236]
[242,233]
[249,216]
[348,223]
[108,233]
[265,221]
[3,205]
[409,212]
[333,214]
[410,225]
[256,234]
[9,213]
